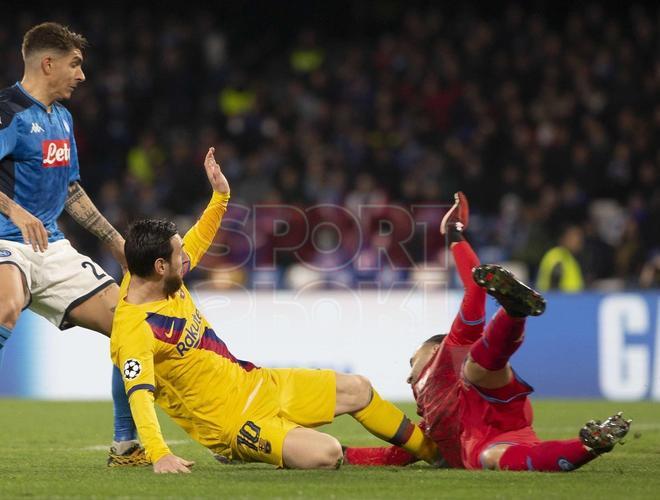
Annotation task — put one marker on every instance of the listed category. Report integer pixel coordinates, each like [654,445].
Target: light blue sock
[124,425]
[5,333]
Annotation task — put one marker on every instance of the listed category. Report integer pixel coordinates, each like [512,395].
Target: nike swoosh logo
[170,334]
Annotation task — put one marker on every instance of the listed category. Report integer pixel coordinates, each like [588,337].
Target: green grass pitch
[57,449]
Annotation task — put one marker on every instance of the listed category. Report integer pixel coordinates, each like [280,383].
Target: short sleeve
[74,172]
[8,133]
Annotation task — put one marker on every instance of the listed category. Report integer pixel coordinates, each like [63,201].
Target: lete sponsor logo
[56,153]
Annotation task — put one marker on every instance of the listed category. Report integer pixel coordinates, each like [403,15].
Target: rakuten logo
[56,153]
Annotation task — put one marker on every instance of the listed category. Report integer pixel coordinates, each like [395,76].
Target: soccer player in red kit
[472,403]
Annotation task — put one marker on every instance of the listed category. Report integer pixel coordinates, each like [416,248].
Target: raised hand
[214,173]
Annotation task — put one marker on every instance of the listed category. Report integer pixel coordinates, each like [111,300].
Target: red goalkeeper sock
[547,456]
[465,260]
[392,455]
[503,337]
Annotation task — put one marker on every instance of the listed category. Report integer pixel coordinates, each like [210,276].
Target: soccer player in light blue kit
[39,177]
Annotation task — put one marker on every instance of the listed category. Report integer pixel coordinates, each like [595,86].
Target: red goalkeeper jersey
[438,395]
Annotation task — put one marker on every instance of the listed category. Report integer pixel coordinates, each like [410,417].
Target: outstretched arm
[132,350]
[81,208]
[146,421]
[198,239]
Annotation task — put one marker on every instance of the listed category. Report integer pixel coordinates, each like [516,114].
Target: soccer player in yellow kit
[169,353]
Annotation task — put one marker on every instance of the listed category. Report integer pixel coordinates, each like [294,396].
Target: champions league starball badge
[132,369]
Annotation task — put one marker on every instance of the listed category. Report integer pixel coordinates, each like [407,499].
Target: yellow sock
[387,422]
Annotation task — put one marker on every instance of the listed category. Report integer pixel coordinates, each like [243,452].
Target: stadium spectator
[552,110]
[560,267]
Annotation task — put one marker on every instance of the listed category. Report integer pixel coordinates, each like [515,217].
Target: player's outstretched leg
[126,449]
[469,321]
[14,297]
[595,439]
[356,396]
[546,456]
[487,365]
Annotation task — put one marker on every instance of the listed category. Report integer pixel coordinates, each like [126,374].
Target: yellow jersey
[168,351]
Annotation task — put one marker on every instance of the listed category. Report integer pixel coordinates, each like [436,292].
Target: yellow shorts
[287,398]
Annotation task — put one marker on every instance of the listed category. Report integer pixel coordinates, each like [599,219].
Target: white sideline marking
[101,447]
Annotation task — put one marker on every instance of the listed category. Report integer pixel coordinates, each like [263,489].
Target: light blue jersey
[38,159]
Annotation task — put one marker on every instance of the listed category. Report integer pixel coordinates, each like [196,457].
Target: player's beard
[172,284]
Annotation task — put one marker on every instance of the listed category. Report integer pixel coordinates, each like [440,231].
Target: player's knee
[490,458]
[362,391]
[473,371]
[323,452]
[330,455]
[10,310]
[353,393]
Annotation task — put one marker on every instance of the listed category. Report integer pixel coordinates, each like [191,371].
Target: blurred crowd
[549,122]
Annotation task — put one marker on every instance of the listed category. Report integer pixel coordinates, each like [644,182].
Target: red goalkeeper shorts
[495,416]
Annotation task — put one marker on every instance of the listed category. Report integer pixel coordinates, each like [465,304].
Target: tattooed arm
[81,208]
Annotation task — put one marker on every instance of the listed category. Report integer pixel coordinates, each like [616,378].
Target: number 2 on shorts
[90,265]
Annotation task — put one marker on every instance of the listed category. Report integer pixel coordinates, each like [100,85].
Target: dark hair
[52,36]
[436,339]
[147,241]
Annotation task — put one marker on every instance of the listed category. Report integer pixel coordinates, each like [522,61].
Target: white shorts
[58,279]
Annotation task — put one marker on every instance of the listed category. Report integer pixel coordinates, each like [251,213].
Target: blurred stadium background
[344,129]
